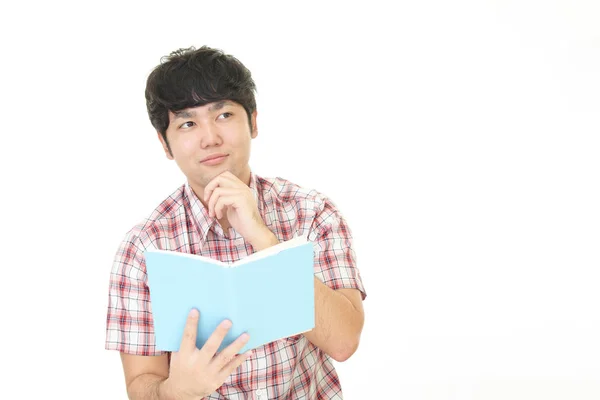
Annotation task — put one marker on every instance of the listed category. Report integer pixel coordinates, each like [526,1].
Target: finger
[228,354]
[212,200]
[231,178]
[211,186]
[234,364]
[225,201]
[225,179]
[190,331]
[216,182]
[215,339]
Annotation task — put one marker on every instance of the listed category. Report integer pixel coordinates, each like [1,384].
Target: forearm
[338,323]
[263,239]
[150,387]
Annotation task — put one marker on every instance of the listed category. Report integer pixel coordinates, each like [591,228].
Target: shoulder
[168,217]
[281,192]
[313,211]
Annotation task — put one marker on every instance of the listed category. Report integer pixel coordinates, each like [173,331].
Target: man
[202,105]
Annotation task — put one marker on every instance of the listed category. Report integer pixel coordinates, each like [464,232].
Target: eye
[225,115]
[185,124]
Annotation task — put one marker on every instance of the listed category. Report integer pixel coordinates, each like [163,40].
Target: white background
[459,139]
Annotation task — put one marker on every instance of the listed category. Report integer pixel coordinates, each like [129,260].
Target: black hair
[194,77]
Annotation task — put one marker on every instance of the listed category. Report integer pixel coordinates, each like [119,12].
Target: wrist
[263,239]
[168,391]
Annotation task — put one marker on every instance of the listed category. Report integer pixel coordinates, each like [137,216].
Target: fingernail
[245,337]
[226,324]
[193,313]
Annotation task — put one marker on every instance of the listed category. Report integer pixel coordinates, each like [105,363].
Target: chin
[206,177]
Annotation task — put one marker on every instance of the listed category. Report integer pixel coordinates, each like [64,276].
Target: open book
[269,294]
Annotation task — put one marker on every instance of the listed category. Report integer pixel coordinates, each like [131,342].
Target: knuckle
[210,347]
[224,359]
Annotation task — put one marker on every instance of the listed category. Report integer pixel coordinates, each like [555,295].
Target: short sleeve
[129,323]
[335,259]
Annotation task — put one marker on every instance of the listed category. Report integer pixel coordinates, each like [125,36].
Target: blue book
[269,294]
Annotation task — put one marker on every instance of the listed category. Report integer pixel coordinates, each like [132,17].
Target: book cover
[269,294]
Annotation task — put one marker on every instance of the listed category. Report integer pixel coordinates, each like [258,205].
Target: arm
[194,373]
[339,314]
[339,319]
[145,377]
[129,330]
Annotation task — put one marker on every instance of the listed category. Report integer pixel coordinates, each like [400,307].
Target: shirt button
[261,394]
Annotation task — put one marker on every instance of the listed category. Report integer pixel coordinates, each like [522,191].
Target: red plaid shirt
[290,368]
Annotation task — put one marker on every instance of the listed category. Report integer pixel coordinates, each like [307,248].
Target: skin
[222,128]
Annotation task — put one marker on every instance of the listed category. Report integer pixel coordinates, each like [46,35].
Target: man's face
[211,139]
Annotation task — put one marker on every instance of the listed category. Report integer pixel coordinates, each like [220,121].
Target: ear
[165,146]
[254,132]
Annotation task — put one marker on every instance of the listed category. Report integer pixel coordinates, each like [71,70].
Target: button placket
[261,394]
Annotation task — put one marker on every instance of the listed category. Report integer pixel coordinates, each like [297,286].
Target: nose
[210,136]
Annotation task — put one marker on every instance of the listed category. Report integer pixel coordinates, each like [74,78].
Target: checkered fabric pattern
[290,368]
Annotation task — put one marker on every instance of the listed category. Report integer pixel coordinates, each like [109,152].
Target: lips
[213,157]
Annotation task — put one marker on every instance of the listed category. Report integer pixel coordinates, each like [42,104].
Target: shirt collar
[254,187]
[200,215]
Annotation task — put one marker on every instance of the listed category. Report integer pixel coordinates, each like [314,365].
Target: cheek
[241,151]
[241,142]
[185,146]
[184,152]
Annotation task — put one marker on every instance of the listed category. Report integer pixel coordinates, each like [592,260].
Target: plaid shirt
[290,368]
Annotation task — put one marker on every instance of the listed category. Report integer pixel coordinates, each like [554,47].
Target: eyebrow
[219,104]
[183,114]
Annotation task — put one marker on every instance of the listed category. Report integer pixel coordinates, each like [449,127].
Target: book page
[193,256]
[297,241]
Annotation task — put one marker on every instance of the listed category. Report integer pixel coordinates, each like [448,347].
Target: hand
[226,195]
[196,373]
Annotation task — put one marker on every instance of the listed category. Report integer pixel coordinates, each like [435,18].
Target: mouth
[214,159]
